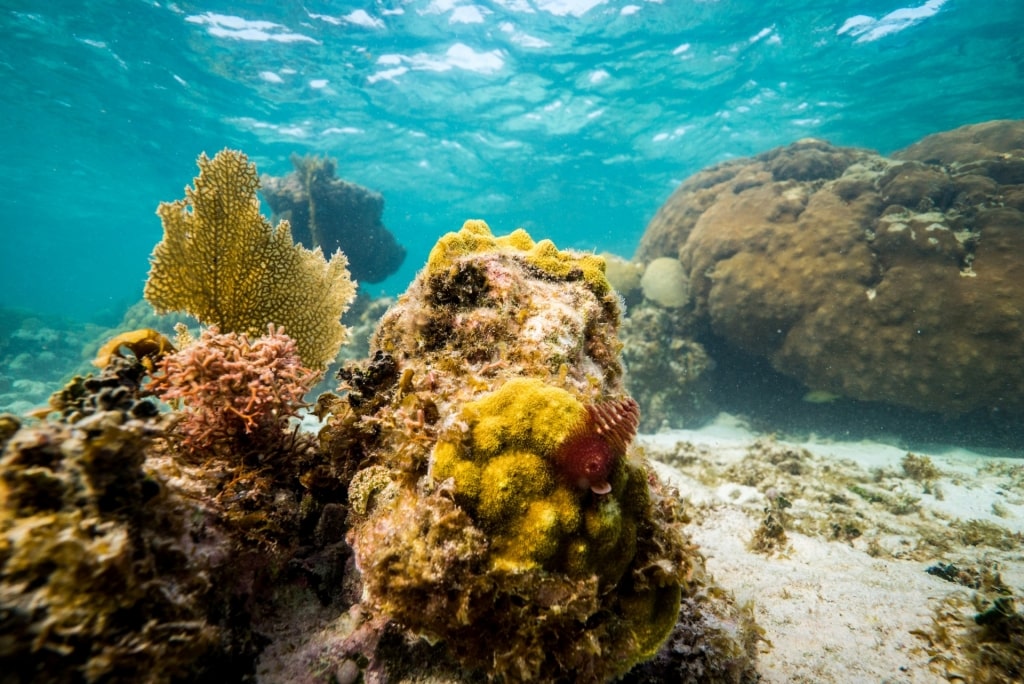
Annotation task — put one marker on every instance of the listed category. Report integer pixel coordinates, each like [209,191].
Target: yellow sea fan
[222,262]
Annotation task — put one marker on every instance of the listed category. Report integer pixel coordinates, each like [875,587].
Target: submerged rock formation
[497,507]
[331,213]
[890,279]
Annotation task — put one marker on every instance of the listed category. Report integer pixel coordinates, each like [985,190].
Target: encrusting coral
[534,451]
[496,505]
[223,262]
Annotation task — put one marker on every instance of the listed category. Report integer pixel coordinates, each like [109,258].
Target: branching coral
[236,392]
[222,262]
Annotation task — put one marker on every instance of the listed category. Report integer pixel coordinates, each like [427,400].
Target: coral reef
[330,213]
[881,279]
[472,506]
[667,371]
[102,576]
[494,502]
[222,262]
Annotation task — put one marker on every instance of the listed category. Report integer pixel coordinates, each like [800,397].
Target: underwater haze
[572,118]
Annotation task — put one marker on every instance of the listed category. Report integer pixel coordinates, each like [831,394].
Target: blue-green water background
[572,118]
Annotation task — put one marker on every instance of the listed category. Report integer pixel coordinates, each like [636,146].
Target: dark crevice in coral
[464,287]
[367,381]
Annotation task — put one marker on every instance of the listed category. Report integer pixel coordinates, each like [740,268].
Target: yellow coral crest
[476,237]
[525,413]
[222,262]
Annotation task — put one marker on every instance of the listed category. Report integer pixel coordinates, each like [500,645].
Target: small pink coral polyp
[588,455]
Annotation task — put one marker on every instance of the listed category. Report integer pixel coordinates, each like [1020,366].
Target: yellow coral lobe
[524,413]
[534,540]
[448,463]
[518,239]
[475,236]
[145,344]
[566,265]
[508,484]
[222,262]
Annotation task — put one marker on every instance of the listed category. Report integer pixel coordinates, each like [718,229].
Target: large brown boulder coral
[891,279]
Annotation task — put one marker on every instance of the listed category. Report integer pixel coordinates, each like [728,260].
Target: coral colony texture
[235,393]
[105,574]
[471,509]
[890,279]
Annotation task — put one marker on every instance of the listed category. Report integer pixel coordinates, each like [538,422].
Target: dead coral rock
[95,579]
[881,279]
[331,213]
[461,526]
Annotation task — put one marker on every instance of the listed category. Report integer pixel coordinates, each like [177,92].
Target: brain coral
[882,279]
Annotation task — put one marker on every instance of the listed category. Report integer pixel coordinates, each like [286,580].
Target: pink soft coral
[237,394]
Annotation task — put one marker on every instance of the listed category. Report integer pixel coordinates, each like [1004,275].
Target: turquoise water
[572,118]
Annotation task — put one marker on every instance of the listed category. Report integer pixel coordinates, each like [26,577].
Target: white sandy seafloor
[841,609]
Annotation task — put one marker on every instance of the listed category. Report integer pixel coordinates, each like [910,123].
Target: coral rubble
[891,279]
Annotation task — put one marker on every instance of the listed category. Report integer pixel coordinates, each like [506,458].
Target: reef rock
[330,213]
[106,573]
[890,279]
[497,507]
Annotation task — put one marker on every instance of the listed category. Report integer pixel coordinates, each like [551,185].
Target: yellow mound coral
[476,236]
[507,477]
[222,262]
